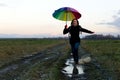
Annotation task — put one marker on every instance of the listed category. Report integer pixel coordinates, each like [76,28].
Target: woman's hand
[93,32]
[66,26]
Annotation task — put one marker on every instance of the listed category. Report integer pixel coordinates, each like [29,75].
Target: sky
[33,18]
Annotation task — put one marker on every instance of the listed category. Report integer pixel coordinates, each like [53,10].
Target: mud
[87,69]
[15,69]
[91,70]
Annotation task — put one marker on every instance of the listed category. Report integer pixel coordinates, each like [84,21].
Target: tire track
[92,70]
[15,69]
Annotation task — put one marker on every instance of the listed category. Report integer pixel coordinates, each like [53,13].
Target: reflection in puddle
[72,69]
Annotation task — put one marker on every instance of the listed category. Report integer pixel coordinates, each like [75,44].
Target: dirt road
[41,67]
[90,70]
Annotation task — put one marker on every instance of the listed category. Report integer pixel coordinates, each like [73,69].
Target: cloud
[115,22]
[119,12]
[2,4]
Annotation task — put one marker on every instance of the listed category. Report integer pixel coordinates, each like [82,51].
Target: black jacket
[74,33]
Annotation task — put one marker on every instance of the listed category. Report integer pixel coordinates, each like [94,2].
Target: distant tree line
[101,36]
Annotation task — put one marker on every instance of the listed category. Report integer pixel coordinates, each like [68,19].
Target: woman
[74,38]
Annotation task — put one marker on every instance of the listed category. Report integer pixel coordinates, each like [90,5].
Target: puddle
[72,69]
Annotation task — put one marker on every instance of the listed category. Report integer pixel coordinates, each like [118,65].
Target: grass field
[107,53]
[12,49]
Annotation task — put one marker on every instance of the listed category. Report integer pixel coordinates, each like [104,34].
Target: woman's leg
[76,52]
[74,48]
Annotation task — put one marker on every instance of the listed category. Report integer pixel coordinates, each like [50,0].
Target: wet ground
[88,69]
[17,69]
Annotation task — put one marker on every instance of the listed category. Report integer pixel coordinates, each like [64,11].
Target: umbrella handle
[66,22]
[66,17]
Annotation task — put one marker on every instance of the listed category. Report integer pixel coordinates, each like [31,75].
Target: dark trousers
[74,48]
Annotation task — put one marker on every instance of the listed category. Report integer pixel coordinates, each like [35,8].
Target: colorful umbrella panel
[66,14]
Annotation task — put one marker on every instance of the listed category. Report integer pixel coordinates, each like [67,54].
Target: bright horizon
[34,17]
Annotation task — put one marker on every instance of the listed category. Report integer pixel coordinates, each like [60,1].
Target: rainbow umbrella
[66,14]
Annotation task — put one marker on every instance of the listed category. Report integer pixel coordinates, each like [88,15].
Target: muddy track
[15,69]
[92,70]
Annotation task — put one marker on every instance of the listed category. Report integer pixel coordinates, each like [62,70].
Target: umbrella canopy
[66,14]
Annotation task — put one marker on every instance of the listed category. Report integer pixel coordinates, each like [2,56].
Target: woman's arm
[66,30]
[85,30]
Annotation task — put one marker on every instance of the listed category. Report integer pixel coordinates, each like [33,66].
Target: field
[43,59]
[28,59]
[12,49]
[107,53]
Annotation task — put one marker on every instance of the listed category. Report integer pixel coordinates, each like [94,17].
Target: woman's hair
[73,20]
